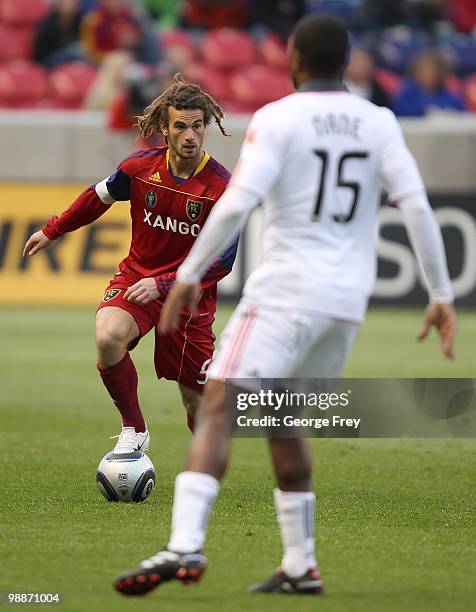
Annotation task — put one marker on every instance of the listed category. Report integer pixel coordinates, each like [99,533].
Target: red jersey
[167,215]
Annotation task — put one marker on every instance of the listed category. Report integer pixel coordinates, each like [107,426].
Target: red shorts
[185,354]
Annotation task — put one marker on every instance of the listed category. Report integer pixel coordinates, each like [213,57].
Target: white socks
[193,500]
[296,512]
[195,494]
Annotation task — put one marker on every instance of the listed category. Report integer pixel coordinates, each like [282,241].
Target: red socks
[121,382]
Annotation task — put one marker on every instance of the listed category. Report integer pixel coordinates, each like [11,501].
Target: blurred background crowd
[414,56]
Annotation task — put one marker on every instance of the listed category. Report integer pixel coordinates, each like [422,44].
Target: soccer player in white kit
[317,161]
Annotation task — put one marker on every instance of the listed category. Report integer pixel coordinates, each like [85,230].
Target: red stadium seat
[194,71]
[216,84]
[227,48]
[256,85]
[179,47]
[470,93]
[273,50]
[22,84]
[23,11]
[390,82]
[70,83]
[454,84]
[15,42]
[213,81]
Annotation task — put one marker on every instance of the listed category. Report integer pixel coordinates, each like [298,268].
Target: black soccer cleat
[308,584]
[165,565]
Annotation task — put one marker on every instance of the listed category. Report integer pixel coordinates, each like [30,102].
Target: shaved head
[322,44]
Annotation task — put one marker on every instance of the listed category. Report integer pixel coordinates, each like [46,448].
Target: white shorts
[262,342]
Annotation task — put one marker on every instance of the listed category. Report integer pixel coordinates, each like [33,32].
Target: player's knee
[109,339]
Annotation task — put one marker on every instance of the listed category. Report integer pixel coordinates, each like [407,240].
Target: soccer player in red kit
[171,191]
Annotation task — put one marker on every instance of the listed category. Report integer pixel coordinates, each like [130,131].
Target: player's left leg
[295,503]
[184,356]
[330,343]
[191,399]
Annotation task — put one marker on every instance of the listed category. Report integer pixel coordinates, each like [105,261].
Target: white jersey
[318,161]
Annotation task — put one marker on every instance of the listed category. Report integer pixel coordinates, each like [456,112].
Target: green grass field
[395,529]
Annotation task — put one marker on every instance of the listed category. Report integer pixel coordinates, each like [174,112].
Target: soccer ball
[127,477]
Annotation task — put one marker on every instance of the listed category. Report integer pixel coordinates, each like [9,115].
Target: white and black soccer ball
[126,477]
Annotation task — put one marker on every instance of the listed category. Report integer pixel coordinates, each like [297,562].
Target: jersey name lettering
[337,125]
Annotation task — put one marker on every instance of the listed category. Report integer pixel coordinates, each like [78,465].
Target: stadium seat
[213,81]
[179,47]
[273,51]
[70,82]
[18,12]
[216,84]
[454,84]
[256,85]
[23,84]
[390,82]
[227,48]
[470,93]
[15,42]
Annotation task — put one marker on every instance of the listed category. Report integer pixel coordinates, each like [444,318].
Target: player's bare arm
[35,243]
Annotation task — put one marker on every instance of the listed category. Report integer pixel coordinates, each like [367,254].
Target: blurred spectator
[109,81]
[376,15]
[87,6]
[210,14]
[279,16]
[114,27]
[57,36]
[464,14]
[164,12]
[359,77]
[428,15]
[426,91]
[142,84]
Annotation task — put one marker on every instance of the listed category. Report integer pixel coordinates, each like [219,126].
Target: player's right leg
[195,491]
[119,327]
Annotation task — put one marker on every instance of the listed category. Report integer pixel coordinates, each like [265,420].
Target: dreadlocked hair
[182,96]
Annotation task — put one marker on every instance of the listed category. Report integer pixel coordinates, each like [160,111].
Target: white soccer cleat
[130,441]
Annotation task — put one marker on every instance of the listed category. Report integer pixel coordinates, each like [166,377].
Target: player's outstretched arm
[443,318]
[404,185]
[35,243]
[427,242]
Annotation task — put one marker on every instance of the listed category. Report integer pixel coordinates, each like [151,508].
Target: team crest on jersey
[194,209]
[151,199]
[111,294]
